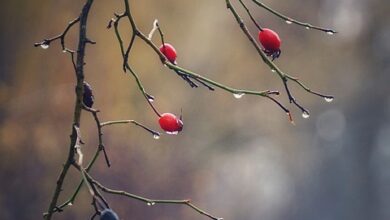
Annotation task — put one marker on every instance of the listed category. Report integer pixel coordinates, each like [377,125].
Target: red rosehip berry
[270,40]
[169,51]
[170,123]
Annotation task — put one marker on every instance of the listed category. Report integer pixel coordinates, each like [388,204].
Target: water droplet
[150,203]
[70,204]
[328,99]
[307,28]
[44,46]
[330,32]
[64,51]
[273,70]
[156,136]
[172,132]
[149,97]
[305,114]
[219,218]
[238,95]
[288,22]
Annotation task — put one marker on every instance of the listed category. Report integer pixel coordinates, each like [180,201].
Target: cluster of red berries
[268,39]
[168,121]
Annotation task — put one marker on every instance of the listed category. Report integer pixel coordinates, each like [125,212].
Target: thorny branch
[100,148]
[79,72]
[98,197]
[79,69]
[98,201]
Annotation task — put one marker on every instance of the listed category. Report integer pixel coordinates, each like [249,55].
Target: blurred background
[236,158]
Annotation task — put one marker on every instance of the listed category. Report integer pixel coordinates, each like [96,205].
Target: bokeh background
[238,159]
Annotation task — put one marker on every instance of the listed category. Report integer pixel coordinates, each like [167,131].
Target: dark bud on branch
[88,98]
[108,214]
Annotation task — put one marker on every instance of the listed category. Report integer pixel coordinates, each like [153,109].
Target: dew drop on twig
[305,114]
[273,70]
[330,32]
[307,28]
[70,204]
[238,95]
[156,136]
[288,22]
[172,132]
[44,46]
[328,99]
[149,97]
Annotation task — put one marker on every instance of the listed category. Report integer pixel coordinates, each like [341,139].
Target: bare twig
[155,134]
[289,20]
[150,202]
[99,149]
[46,42]
[250,15]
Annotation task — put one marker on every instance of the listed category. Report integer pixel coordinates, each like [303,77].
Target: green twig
[289,20]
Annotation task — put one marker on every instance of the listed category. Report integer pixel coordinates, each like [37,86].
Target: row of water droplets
[305,114]
[330,32]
